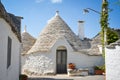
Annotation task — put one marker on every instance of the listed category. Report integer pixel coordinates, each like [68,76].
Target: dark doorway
[61,59]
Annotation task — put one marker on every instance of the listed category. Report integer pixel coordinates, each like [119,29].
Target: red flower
[71,66]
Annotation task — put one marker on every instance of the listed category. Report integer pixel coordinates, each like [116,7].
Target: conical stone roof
[27,42]
[96,41]
[55,29]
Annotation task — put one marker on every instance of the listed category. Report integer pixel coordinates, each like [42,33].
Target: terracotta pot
[99,72]
[23,77]
[71,66]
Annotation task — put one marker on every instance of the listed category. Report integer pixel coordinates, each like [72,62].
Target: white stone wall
[12,73]
[38,64]
[48,59]
[85,61]
[113,63]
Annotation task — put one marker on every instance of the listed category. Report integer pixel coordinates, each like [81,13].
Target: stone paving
[66,77]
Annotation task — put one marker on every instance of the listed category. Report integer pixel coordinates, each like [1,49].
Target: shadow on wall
[47,79]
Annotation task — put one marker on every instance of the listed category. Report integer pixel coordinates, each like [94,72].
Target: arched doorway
[61,60]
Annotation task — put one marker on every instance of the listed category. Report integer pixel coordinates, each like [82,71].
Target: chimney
[81,29]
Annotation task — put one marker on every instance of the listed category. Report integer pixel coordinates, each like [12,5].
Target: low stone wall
[113,62]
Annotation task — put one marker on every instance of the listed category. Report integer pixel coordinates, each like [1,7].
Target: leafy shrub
[112,36]
[100,67]
[97,68]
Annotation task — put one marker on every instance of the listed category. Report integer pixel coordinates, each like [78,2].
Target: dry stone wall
[38,65]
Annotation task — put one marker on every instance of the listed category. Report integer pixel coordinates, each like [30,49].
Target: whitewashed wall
[113,63]
[81,60]
[12,73]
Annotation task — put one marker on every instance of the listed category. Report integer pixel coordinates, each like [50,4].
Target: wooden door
[61,59]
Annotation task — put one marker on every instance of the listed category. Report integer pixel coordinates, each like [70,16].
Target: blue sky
[36,13]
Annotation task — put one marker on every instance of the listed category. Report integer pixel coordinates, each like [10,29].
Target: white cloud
[56,1]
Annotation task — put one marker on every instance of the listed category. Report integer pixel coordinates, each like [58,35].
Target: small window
[9,52]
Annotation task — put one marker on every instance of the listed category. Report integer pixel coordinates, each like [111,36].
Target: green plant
[97,68]
[112,36]
[100,67]
[23,77]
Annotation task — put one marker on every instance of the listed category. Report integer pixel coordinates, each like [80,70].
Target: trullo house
[57,46]
[27,41]
[10,43]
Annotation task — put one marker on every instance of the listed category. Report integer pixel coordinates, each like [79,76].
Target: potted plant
[71,69]
[71,66]
[99,70]
[23,77]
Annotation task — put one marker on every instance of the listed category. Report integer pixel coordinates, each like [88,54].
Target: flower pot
[99,72]
[71,66]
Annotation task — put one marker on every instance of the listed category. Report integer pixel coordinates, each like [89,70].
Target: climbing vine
[104,24]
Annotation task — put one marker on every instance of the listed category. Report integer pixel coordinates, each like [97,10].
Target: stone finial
[25,29]
[57,13]
[80,21]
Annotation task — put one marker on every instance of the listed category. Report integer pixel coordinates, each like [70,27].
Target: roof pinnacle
[57,13]
[25,29]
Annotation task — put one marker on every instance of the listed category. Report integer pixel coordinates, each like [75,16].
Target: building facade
[10,44]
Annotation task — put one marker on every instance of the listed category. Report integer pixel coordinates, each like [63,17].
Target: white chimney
[81,29]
